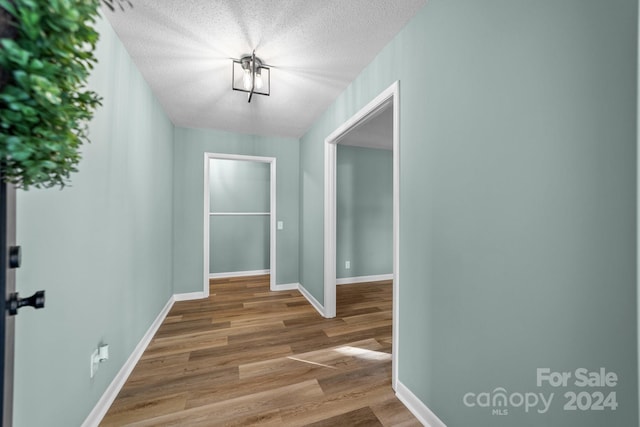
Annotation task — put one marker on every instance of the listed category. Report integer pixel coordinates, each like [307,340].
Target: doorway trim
[272,213]
[391,95]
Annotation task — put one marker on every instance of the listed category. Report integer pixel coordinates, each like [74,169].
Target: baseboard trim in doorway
[314,302]
[364,279]
[238,274]
[189,296]
[287,286]
[104,403]
[417,408]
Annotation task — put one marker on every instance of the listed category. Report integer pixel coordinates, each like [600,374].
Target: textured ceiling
[184,50]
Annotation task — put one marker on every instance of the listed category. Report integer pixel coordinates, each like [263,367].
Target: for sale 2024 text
[584,390]
[582,378]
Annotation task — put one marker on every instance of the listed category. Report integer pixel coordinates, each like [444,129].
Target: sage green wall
[239,243]
[364,211]
[239,186]
[188,185]
[101,249]
[518,201]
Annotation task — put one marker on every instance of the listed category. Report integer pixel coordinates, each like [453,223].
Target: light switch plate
[280,225]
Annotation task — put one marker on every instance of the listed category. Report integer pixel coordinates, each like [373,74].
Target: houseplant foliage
[44,103]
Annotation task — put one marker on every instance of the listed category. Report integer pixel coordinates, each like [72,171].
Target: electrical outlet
[99,355]
[347,265]
[95,362]
[103,353]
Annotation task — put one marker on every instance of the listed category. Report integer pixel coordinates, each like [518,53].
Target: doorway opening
[237,199]
[388,99]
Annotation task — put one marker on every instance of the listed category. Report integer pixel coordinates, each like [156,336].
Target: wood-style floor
[248,356]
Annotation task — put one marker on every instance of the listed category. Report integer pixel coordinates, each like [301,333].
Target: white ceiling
[184,50]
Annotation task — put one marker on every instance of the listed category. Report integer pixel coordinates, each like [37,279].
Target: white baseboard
[314,302]
[363,279]
[287,286]
[97,414]
[417,408]
[238,274]
[189,296]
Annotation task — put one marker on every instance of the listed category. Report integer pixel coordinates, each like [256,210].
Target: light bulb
[258,79]
[246,80]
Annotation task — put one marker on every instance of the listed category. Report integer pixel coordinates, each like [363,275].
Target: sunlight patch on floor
[363,353]
[310,362]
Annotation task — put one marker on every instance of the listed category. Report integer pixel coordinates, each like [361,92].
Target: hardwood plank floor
[249,356]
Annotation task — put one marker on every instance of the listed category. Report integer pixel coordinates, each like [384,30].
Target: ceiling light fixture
[249,74]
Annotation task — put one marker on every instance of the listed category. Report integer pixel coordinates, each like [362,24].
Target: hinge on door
[15,257]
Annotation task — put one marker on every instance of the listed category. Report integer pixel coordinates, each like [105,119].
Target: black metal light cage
[255,66]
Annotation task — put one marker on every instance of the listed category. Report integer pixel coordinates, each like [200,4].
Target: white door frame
[272,212]
[391,95]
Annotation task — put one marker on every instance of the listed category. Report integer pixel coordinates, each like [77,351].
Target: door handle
[15,302]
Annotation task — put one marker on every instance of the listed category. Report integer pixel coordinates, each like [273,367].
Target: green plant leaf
[9,7]
[14,53]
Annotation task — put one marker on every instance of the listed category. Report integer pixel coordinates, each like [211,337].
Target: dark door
[7,287]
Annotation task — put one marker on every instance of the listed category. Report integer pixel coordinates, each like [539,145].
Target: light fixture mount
[249,74]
